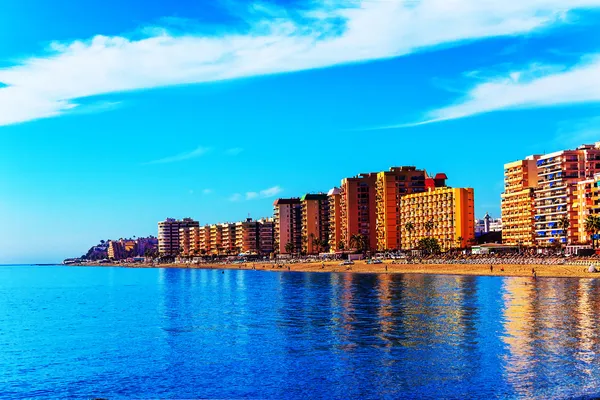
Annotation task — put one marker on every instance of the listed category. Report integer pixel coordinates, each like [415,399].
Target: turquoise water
[169,333]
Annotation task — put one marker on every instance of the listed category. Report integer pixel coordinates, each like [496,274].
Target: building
[391,186]
[204,238]
[586,203]
[315,223]
[443,213]
[335,223]
[128,248]
[216,239]
[228,238]
[185,241]
[168,235]
[518,202]
[247,236]
[288,225]
[556,209]
[358,209]
[487,224]
[266,236]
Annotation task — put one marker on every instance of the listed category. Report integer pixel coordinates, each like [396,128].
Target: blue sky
[117,114]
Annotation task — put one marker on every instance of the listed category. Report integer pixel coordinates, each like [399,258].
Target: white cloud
[263,194]
[198,152]
[538,86]
[334,32]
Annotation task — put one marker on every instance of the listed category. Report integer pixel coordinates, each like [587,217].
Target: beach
[362,267]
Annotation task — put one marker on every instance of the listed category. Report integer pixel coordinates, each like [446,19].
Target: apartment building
[335,223]
[288,225]
[391,186]
[216,239]
[518,201]
[228,237]
[358,208]
[556,193]
[247,236]
[266,236]
[315,223]
[444,213]
[586,202]
[168,235]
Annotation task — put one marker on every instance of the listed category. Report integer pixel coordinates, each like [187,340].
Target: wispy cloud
[198,152]
[234,151]
[263,194]
[537,86]
[276,40]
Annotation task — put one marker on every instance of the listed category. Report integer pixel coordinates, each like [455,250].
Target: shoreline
[361,267]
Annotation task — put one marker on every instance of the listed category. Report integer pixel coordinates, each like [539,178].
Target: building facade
[518,202]
[358,208]
[315,223]
[446,214]
[391,186]
[288,225]
[335,222]
[168,235]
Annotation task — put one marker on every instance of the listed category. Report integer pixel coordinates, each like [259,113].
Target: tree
[341,245]
[592,227]
[564,223]
[429,245]
[289,247]
[459,242]
[359,242]
[410,229]
[429,227]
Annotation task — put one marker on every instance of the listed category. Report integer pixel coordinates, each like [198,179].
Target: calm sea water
[149,333]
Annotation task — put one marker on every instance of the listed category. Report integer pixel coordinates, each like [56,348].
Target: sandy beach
[559,271]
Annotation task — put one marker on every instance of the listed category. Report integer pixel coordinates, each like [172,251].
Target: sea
[111,333]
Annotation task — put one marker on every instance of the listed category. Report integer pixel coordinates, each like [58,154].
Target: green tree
[564,223]
[409,227]
[429,227]
[341,245]
[429,245]
[592,227]
[289,248]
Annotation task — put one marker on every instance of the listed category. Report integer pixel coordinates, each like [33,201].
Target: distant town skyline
[115,116]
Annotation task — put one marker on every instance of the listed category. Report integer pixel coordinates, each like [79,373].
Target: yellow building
[216,239]
[518,202]
[443,213]
[229,239]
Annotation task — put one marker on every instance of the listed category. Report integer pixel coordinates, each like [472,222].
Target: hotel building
[266,236]
[315,223]
[451,212]
[288,225]
[228,237]
[358,208]
[586,203]
[168,235]
[391,186]
[216,239]
[556,193]
[335,223]
[518,202]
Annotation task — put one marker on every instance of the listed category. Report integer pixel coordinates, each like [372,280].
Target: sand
[559,271]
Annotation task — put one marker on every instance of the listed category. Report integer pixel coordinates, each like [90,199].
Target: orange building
[315,223]
[168,235]
[391,186]
[358,207]
[288,225]
[444,213]
[335,223]
[229,240]
[518,202]
[216,239]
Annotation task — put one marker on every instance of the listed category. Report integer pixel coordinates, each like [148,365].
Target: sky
[115,115]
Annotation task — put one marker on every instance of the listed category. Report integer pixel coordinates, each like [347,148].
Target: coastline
[361,267]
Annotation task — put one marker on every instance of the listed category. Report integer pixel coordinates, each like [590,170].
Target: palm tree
[289,247]
[564,223]
[341,245]
[429,227]
[410,228]
[459,241]
[592,226]
[359,242]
